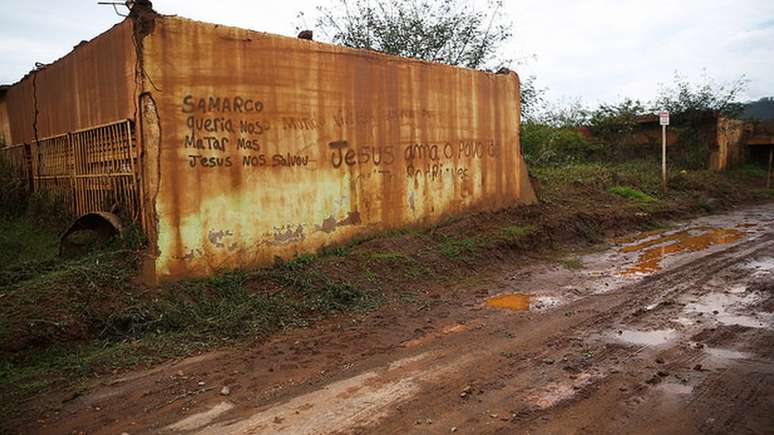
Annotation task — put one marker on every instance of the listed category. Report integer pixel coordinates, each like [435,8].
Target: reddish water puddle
[696,239]
[639,236]
[513,302]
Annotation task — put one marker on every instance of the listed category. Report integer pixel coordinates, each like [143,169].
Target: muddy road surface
[668,331]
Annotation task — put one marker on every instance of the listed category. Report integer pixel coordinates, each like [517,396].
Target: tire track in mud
[553,370]
[622,307]
[365,400]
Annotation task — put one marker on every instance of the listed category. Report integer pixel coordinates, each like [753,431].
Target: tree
[532,98]
[685,98]
[454,32]
[611,121]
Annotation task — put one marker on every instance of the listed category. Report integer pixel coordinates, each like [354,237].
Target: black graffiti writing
[420,151]
[436,171]
[259,160]
[289,160]
[365,117]
[276,160]
[462,149]
[363,155]
[195,160]
[250,127]
[221,104]
[248,144]
[209,125]
[299,124]
[206,142]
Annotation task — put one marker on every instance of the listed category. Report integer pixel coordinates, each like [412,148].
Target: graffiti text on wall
[218,126]
[231,131]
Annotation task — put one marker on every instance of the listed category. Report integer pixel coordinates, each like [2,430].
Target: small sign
[663,118]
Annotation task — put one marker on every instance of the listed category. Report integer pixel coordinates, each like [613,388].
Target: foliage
[760,110]
[644,174]
[532,98]
[571,114]
[685,98]
[610,121]
[13,192]
[629,192]
[455,32]
[547,145]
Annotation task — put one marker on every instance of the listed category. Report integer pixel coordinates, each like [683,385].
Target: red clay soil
[683,347]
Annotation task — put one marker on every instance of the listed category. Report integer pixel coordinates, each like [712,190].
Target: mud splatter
[330,223]
[216,237]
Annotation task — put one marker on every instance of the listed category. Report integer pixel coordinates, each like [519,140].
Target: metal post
[663,159]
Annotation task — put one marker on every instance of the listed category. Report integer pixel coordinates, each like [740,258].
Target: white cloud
[597,50]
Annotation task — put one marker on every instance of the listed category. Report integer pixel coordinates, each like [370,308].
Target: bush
[545,145]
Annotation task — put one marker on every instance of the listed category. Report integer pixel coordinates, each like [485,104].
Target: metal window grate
[52,168]
[104,177]
[88,170]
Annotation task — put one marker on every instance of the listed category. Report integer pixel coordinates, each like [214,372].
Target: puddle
[545,302]
[513,302]
[727,353]
[654,249]
[644,338]
[684,321]
[720,307]
[639,236]
[761,266]
[676,389]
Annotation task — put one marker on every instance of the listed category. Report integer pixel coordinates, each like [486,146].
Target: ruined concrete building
[231,147]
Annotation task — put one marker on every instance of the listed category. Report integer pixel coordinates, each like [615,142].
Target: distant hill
[760,110]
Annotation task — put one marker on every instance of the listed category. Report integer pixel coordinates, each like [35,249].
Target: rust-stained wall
[272,146]
[730,146]
[92,85]
[5,125]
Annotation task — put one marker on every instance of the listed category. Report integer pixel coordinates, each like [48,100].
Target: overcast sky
[592,50]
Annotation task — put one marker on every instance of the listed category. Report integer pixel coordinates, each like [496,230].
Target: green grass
[117,324]
[573,263]
[25,249]
[631,193]
[519,231]
[750,170]
[455,248]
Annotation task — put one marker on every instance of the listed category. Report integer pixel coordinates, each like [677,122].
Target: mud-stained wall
[273,146]
[92,85]
[5,125]
[730,147]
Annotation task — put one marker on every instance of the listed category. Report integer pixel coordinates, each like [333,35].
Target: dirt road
[668,331]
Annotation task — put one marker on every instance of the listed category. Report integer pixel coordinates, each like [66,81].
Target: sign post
[663,118]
